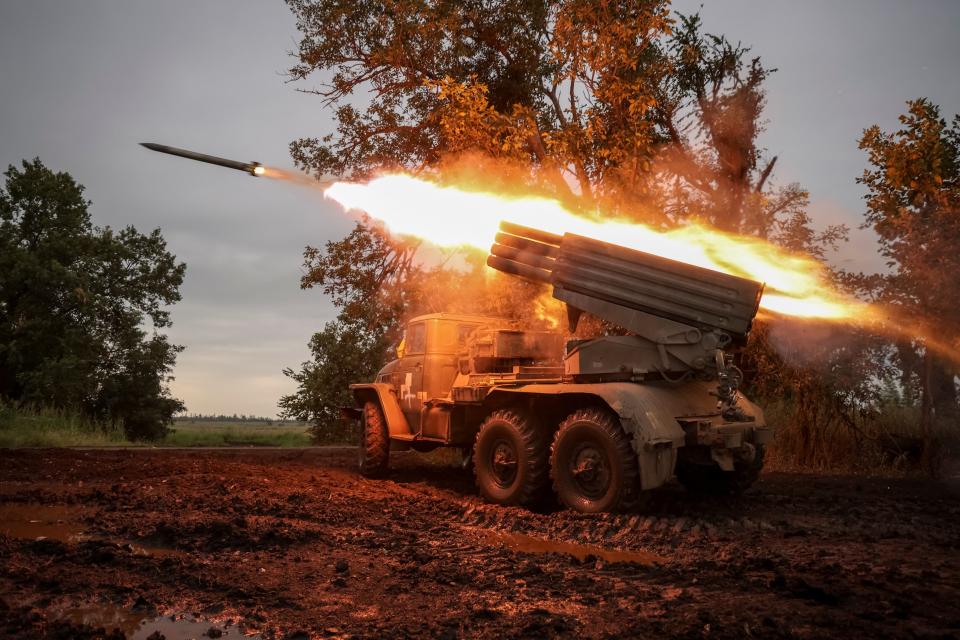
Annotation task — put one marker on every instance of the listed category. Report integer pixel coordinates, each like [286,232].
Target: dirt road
[295,544]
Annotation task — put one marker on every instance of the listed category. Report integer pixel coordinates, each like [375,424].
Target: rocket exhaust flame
[795,285]
[447,216]
[451,217]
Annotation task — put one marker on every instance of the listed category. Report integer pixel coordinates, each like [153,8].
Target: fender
[397,425]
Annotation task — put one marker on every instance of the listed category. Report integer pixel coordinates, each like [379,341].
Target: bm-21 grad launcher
[601,420]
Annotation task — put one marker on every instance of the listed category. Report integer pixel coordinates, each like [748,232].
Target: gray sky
[84,82]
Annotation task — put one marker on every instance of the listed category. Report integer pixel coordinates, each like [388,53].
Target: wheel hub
[503,462]
[590,470]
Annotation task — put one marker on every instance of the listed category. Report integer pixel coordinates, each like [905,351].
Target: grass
[25,427]
[227,434]
[837,448]
[33,427]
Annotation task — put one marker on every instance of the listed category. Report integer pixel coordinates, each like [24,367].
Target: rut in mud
[297,544]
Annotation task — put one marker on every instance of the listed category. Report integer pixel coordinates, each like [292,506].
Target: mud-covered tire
[510,459]
[592,463]
[374,451]
[711,479]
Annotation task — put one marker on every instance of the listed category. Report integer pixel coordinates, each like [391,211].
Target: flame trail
[450,217]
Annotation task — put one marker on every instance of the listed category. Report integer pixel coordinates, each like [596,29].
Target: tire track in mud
[301,542]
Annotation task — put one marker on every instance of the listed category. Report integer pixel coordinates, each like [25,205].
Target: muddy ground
[295,544]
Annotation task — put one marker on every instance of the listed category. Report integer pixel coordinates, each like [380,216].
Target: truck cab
[423,375]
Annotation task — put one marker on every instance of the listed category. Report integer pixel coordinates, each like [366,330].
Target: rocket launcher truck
[599,421]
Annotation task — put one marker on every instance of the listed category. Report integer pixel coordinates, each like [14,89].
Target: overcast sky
[81,83]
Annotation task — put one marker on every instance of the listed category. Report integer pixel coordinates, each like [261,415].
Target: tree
[364,274]
[73,301]
[612,107]
[913,204]
[604,101]
[709,107]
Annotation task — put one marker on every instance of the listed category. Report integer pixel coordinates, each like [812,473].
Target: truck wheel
[510,459]
[374,442]
[711,479]
[593,465]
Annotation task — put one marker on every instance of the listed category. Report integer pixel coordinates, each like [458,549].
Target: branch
[786,202]
[765,174]
[552,95]
[535,143]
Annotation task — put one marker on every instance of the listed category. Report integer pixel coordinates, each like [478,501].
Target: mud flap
[656,465]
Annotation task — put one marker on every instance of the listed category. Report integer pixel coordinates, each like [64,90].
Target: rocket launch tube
[518,269]
[525,257]
[607,274]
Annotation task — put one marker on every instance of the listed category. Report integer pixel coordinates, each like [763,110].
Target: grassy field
[51,428]
[226,434]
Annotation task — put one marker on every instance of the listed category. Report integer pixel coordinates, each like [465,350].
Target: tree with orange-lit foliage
[614,108]
[913,204]
[357,273]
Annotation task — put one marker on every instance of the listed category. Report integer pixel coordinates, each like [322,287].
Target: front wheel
[592,464]
[374,450]
[510,459]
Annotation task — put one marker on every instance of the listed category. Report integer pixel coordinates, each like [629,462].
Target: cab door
[409,374]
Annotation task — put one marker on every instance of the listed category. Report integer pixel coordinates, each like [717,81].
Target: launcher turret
[681,317]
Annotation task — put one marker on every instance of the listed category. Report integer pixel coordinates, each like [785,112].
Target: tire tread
[374,441]
[534,443]
[629,495]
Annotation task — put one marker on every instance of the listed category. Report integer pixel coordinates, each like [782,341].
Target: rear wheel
[593,465]
[711,479]
[374,450]
[510,459]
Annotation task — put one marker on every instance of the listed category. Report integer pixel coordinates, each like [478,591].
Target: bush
[884,440]
[334,432]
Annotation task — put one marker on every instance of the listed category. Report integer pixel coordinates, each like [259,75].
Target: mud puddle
[529,544]
[63,523]
[141,626]
[32,521]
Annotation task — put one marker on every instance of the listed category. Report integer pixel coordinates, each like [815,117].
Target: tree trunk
[926,412]
[944,394]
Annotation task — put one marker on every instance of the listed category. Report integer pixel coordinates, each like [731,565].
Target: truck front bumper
[724,443]
[727,435]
